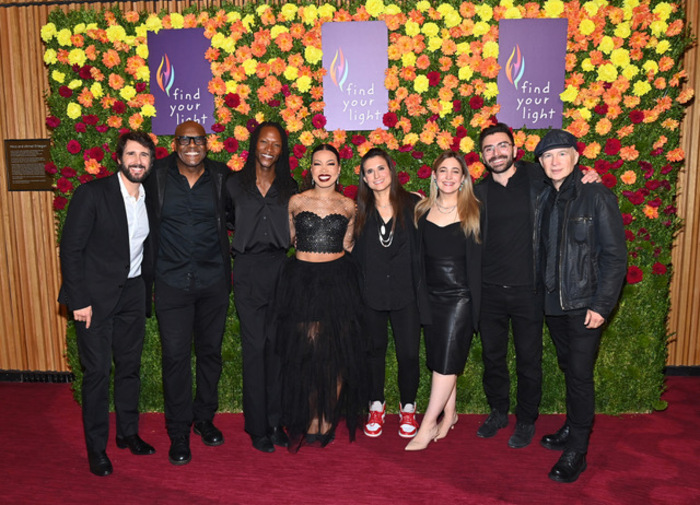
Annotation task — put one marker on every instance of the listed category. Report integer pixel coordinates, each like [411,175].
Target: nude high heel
[422,439]
[444,429]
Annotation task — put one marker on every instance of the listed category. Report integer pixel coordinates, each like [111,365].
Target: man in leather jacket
[583,256]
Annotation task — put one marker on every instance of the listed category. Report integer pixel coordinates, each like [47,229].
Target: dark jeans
[577,349]
[521,307]
[405,324]
[184,316]
[118,337]
[254,281]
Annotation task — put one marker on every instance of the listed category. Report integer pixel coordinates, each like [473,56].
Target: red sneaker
[375,420]
[408,426]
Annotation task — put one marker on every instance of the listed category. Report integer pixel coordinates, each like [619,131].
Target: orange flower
[675,155]
[243,91]
[342,15]
[685,95]
[212,54]
[651,212]
[631,101]
[135,121]
[116,81]
[294,102]
[629,177]
[131,16]
[670,124]
[262,70]
[444,140]
[133,64]
[603,126]
[531,142]
[629,153]
[297,30]
[339,137]
[92,166]
[666,63]
[214,144]
[217,86]
[294,124]
[241,133]
[97,74]
[445,63]
[660,142]
[476,170]
[235,163]
[224,115]
[190,21]
[284,41]
[592,150]
[579,128]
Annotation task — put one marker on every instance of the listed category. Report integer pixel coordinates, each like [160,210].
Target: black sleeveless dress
[319,337]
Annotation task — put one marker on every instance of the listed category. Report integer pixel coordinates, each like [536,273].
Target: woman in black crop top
[386,248]
[448,230]
[318,308]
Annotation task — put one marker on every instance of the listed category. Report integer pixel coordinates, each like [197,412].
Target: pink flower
[424,171]
[217,127]
[73,146]
[658,268]
[404,177]
[65,92]
[60,202]
[318,121]
[161,152]
[64,185]
[231,145]
[350,191]
[52,122]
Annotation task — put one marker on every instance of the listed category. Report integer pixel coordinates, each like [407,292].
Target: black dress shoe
[522,436]
[278,437]
[211,435]
[557,441]
[135,445]
[100,464]
[263,444]
[570,465]
[179,453]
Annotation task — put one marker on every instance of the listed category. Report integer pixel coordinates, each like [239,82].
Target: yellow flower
[490,49]
[420,85]
[606,44]
[481,28]
[391,9]
[641,88]
[142,31]
[663,46]
[620,57]
[607,72]
[463,48]
[306,138]
[115,33]
[229,45]
[411,138]
[96,89]
[127,92]
[434,44]
[663,10]
[63,37]
[585,113]
[75,84]
[143,74]
[217,40]
[148,110]
[466,145]
[485,12]
[586,27]
[153,23]
[289,11]
[630,72]
[408,59]
[233,16]
[77,57]
[569,94]
[411,28]
[430,29]
[374,7]
[276,30]
[248,21]
[491,90]
[48,31]
[73,110]
[623,30]
[591,8]
[304,83]
[452,19]
[650,66]
[465,73]
[260,9]
[512,13]
[50,56]
[250,66]
[142,51]
[423,5]
[58,76]
[177,20]
[553,8]
[309,14]
[312,54]
[231,86]
[445,108]
[291,73]
[658,28]
[326,11]
[444,9]
[587,66]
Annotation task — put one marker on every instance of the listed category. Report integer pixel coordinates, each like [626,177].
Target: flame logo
[515,70]
[339,69]
[165,77]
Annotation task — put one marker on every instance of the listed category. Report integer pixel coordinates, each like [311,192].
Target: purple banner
[532,55]
[180,78]
[355,56]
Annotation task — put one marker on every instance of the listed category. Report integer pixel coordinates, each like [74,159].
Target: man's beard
[505,167]
[125,170]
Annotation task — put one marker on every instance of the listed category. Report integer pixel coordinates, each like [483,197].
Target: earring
[461,186]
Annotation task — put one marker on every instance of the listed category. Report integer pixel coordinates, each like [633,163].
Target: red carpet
[633,459]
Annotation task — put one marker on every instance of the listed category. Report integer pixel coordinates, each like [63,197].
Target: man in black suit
[186,196]
[104,256]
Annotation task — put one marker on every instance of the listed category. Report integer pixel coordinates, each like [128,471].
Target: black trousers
[577,350]
[184,316]
[118,337]
[254,281]
[405,324]
[502,306]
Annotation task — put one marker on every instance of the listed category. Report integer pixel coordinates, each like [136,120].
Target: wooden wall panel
[32,331]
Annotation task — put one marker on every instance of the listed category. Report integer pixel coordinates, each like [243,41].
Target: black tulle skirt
[448,338]
[323,350]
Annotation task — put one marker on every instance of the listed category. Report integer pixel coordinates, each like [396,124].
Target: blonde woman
[450,251]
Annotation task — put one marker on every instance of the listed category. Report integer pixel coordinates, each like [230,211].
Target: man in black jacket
[584,258]
[105,256]
[186,195]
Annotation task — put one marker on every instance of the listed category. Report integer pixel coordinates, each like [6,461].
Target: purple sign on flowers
[180,78]
[532,54]
[355,56]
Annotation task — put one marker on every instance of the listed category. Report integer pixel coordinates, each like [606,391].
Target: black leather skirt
[448,338]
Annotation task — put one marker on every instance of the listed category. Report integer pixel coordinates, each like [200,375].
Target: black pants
[519,306]
[118,337]
[405,324]
[254,281]
[577,349]
[184,315]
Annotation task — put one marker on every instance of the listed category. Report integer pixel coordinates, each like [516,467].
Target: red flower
[293,163]
[601,166]
[601,109]
[64,185]
[609,180]
[652,185]
[358,139]
[461,132]
[405,148]
[90,119]
[318,121]
[345,153]
[299,150]
[73,146]
[102,128]
[52,122]
[403,177]
[433,78]
[476,102]
[417,155]
[85,73]
[140,87]
[161,152]
[629,236]
[80,127]
[471,158]
[217,127]
[285,90]
[350,191]
[50,168]
[424,172]
[274,103]
[60,202]
[666,169]
[231,145]
[119,107]
[670,210]
[634,275]
[95,153]
[612,147]
[457,106]
[635,197]
[627,219]
[232,100]
[85,178]
[65,92]
[251,125]
[636,116]
[658,268]
[390,119]
[68,172]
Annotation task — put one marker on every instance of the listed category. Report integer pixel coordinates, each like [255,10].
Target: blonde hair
[468,205]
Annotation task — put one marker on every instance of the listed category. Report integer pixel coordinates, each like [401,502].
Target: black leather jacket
[592,251]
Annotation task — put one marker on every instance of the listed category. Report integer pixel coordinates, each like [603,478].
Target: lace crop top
[320,234]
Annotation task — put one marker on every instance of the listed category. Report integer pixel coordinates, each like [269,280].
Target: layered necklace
[445,210]
[384,239]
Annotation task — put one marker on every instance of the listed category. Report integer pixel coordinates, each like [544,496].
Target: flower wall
[624,100]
